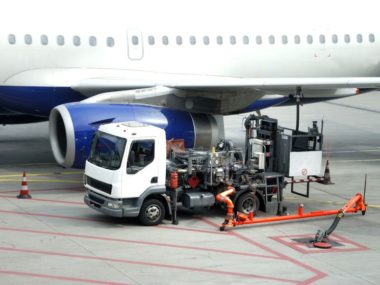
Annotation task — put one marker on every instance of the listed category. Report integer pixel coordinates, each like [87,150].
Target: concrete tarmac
[54,238]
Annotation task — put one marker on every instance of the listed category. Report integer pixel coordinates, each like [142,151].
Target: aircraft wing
[217,82]
[217,95]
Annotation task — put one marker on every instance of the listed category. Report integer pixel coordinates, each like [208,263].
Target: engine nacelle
[72,127]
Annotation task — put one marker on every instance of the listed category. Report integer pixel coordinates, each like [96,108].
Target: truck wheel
[247,202]
[152,212]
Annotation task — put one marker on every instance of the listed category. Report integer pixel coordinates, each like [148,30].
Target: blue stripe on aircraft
[36,101]
[265,103]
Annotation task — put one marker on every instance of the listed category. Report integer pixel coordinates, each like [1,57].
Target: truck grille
[107,188]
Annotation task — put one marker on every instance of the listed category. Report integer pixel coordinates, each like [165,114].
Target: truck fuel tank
[198,199]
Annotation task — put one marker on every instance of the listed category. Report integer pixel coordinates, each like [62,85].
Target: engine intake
[73,125]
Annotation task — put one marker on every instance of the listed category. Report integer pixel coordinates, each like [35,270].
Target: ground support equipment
[353,206]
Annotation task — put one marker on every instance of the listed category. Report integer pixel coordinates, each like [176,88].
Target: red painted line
[49,216]
[150,264]
[208,222]
[177,228]
[136,242]
[45,190]
[46,200]
[300,247]
[318,274]
[343,239]
[61,278]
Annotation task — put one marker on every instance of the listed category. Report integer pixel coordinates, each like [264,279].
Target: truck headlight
[114,204]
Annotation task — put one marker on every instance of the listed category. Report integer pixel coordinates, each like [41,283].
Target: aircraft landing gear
[298,97]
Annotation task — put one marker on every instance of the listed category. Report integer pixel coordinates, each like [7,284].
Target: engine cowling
[73,125]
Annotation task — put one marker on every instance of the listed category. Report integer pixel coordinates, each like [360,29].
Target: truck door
[135,45]
[142,167]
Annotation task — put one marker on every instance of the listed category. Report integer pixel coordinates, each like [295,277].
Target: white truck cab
[125,173]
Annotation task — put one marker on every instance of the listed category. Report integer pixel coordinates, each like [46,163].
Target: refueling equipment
[132,171]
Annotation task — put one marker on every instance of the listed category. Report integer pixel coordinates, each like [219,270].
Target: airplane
[179,65]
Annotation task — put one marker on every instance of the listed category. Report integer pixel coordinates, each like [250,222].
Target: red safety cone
[326,176]
[24,192]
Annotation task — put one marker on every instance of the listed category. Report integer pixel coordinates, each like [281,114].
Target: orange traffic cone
[24,192]
[326,176]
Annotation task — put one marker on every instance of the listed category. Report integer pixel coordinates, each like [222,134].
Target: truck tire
[152,212]
[247,202]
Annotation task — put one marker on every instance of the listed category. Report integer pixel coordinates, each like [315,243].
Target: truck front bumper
[100,203]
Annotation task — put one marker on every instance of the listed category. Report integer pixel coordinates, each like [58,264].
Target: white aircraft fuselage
[98,46]
[178,65]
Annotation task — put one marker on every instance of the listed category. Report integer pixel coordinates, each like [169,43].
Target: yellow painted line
[357,160]
[316,200]
[29,164]
[327,202]
[374,206]
[43,180]
[41,174]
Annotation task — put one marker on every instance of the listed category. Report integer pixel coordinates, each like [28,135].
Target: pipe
[223,198]
[354,205]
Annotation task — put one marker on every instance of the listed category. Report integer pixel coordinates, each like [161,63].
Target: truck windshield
[107,151]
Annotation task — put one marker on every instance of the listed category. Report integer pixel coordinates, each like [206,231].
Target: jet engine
[73,125]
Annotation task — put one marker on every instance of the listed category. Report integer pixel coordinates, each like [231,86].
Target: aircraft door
[135,45]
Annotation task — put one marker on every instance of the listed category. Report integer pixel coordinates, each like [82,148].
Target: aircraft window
[60,40]
[193,40]
[165,40]
[12,39]
[271,40]
[246,40]
[310,39]
[219,40]
[44,40]
[297,39]
[359,38]
[28,39]
[322,39]
[76,41]
[371,38]
[135,40]
[335,39]
[259,40]
[284,39]
[179,40]
[206,40]
[110,42]
[233,40]
[92,41]
[151,40]
[347,39]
